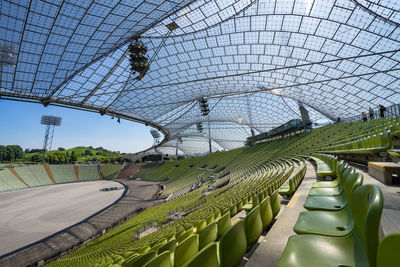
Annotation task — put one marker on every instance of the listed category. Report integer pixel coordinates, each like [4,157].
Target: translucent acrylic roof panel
[253,61]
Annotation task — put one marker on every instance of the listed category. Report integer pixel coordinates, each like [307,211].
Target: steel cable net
[252,61]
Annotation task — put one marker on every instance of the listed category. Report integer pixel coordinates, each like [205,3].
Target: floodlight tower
[50,122]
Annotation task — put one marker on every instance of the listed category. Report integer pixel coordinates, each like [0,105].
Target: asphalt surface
[29,215]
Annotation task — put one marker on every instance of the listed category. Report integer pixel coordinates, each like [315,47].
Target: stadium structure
[243,83]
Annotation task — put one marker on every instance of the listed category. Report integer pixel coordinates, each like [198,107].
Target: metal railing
[392,111]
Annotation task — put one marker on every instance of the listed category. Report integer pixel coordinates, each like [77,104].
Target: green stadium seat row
[256,172]
[348,236]
[289,187]
[215,227]
[326,164]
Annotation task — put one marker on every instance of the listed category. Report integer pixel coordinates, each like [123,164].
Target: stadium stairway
[273,243]
[128,170]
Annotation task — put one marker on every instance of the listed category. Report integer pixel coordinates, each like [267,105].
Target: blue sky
[21,126]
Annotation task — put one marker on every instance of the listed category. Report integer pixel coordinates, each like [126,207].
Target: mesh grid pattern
[252,61]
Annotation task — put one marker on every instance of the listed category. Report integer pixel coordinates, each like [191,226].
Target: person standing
[364,116]
[371,113]
[382,110]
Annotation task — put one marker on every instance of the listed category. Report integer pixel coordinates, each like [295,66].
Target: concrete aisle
[272,245]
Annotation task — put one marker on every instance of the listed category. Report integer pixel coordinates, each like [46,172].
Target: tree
[26,150]
[73,157]
[61,149]
[88,152]
[36,158]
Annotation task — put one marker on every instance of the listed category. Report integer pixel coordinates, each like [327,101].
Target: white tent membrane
[252,60]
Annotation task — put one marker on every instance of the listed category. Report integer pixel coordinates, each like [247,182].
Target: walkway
[271,246]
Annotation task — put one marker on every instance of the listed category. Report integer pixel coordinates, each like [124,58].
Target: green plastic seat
[186,250]
[207,257]
[239,205]
[144,249]
[266,212]
[275,203]
[334,183]
[389,251]
[233,210]
[254,226]
[162,260]
[326,165]
[287,188]
[356,249]
[223,224]
[335,203]
[208,235]
[331,191]
[169,246]
[210,219]
[327,203]
[217,214]
[233,245]
[200,225]
[250,205]
[140,260]
[117,259]
[329,223]
[184,235]
[158,245]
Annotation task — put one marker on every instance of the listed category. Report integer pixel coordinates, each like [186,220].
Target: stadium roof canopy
[253,61]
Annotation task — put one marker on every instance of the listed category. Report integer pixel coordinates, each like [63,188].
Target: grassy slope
[79,152]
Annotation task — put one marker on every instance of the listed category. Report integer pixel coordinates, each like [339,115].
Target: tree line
[14,153]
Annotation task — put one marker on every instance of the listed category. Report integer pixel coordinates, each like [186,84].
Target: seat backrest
[207,257]
[141,260]
[339,163]
[339,170]
[184,235]
[169,246]
[253,226]
[389,251]
[275,203]
[266,212]
[352,181]
[217,214]
[232,245]
[162,260]
[200,225]
[210,218]
[233,210]
[239,205]
[255,200]
[346,172]
[333,164]
[224,223]
[208,235]
[366,208]
[144,249]
[186,250]
[158,245]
